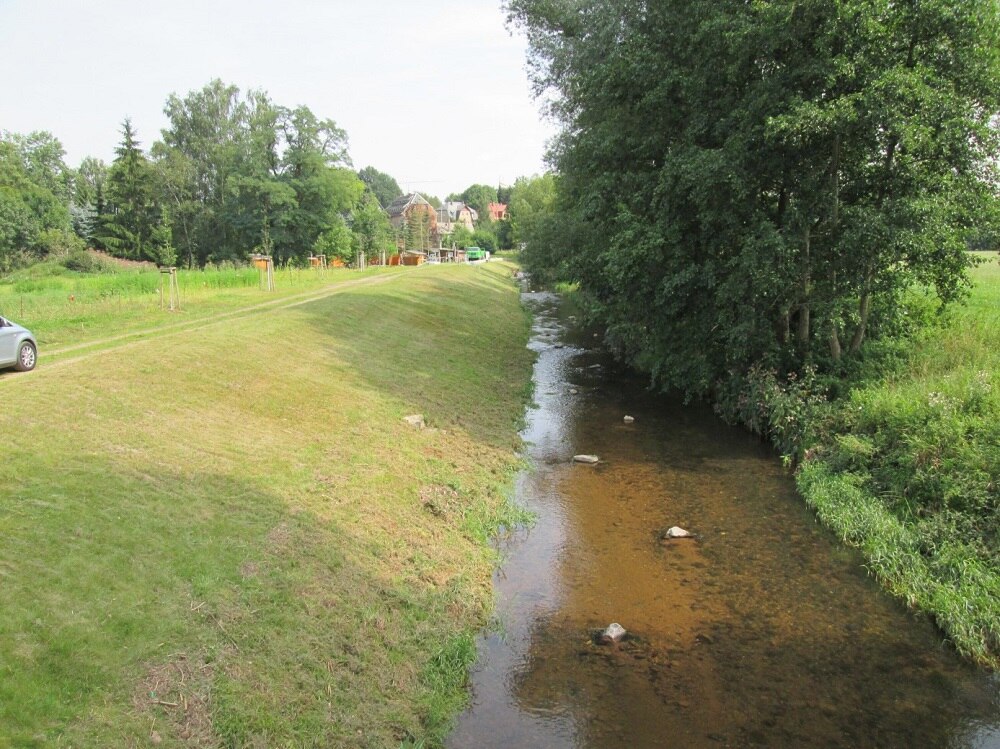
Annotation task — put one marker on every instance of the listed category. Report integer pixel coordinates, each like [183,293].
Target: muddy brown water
[763,631]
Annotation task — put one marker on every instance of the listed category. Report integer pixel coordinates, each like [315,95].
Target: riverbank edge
[904,464]
[954,586]
[942,386]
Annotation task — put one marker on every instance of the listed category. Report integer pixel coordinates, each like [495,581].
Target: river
[763,631]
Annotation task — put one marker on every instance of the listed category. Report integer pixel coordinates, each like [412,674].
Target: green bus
[472,254]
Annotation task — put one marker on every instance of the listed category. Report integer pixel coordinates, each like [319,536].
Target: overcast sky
[433,93]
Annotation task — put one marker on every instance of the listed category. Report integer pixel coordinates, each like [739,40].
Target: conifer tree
[133,216]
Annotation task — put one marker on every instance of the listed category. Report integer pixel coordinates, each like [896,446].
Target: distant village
[428,234]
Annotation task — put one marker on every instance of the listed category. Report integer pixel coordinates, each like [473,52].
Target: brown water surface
[762,631]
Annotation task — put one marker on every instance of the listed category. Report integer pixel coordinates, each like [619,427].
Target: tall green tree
[417,235]
[205,143]
[531,199]
[316,166]
[134,213]
[760,182]
[34,213]
[373,234]
[88,202]
[42,157]
[384,187]
[241,172]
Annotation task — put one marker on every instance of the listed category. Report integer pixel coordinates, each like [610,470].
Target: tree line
[231,174]
[762,183]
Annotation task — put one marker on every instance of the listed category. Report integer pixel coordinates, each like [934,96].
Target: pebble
[677,532]
[415,420]
[613,633]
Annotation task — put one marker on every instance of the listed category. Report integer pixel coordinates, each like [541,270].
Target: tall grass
[63,307]
[909,471]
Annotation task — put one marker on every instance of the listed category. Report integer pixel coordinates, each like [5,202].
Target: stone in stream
[614,633]
[573,391]
[585,459]
[629,419]
[676,532]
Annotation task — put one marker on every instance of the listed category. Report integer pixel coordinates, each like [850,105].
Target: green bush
[81,262]
[787,411]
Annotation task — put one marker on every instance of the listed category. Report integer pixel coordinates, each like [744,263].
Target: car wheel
[26,357]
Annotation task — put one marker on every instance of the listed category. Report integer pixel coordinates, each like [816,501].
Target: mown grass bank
[231,538]
[905,464]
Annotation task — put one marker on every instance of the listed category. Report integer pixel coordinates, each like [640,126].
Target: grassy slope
[912,475]
[232,539]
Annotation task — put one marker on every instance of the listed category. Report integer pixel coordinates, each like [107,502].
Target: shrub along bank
[232,538]
[905,465]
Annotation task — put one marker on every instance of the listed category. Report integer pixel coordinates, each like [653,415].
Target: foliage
[417,229]
[532,199]
[809,162]
[337,241]
[81,261]
[904,464]
[241,172]
[504,231]
[485,239]
[129,228]
[33,186]
[787,411]
[373,235]
[477,197]
[385,188]
[461,236]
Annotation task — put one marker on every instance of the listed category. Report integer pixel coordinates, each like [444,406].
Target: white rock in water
[573,391]
[585,458]
[676,532]
[629,419]
[614,632]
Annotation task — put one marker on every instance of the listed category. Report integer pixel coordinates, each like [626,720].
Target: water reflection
[762,632]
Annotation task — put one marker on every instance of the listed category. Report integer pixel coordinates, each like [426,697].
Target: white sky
[434,93]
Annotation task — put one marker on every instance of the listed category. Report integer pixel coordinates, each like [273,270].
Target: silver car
[18,348]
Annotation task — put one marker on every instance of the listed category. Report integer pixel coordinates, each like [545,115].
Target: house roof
[400,204]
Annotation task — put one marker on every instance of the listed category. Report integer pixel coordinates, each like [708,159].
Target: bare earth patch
[177,697]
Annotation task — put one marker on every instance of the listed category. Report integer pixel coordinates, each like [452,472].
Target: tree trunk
[835,168]
[835,348]
[784,326]
[864,308]
[804,312]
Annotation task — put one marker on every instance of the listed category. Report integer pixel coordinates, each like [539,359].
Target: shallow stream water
[762,631]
